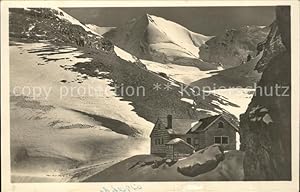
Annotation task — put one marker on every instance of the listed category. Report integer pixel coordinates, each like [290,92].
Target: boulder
[201,161]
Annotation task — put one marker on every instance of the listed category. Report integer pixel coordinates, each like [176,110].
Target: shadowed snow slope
[99,30]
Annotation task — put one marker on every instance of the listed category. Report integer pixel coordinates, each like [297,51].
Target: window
[218,140]
[222,140]
[196,141]
[225,140]
[157,141]
[189,140]
[221,125]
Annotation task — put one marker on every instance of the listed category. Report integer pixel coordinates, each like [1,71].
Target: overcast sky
[205,20]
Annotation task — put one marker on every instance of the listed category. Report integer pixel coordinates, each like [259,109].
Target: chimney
[169,118]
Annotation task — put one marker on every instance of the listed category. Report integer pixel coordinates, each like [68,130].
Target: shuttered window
[221,125]
[189,140]
[196,141]
[159,141]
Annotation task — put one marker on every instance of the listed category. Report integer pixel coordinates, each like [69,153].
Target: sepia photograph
[137,94]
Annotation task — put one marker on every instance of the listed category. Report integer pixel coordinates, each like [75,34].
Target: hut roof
[178,140]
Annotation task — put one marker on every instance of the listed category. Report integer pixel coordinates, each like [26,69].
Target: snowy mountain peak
[152,36]
[149,17]
[177,34]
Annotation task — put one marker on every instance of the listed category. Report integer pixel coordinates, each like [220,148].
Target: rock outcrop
[47,24]
[202,161]
[266,125]
[234,46]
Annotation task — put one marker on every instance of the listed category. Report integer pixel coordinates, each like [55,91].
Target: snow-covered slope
[243,75]
[239,96]
[236,84]
[145,168]
[183,74]
[99,30]
[157,39]
[50,71]
[124,55]
[58,125]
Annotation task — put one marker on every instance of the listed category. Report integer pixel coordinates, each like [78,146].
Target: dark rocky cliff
[266,125]
[51,25]
[232,47]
